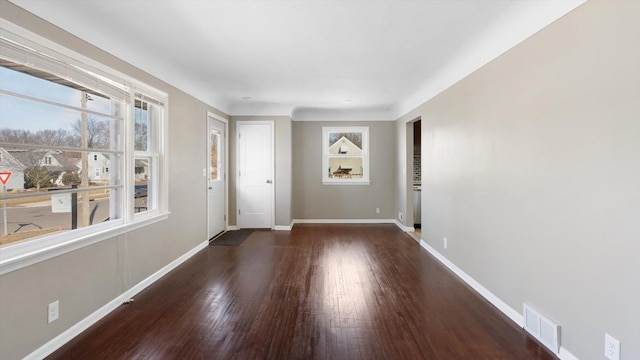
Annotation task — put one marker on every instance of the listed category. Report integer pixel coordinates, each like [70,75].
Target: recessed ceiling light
[347,101]
[246,98]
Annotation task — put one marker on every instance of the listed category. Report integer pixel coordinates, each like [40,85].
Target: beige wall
[86,279]
[282,181]
[312,200]
[531,169]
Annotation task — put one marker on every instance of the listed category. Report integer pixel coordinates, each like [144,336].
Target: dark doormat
[232,238]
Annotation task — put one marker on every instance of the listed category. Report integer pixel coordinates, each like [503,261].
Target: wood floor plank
[316,292]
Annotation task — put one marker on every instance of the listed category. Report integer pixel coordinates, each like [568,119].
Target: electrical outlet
[445,242]
[377,210]
[53,311]
[400,216]
[611,347]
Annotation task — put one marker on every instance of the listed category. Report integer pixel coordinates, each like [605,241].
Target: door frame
[205,171]
[271,123]
[409,225]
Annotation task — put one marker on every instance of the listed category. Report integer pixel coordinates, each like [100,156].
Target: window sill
[346,182]
[21,255]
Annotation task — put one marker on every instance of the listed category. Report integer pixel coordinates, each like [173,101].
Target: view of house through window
[146,119]
[48,128]
[62,139]
[345,152]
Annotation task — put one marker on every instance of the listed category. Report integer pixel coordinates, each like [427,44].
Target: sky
[17,113]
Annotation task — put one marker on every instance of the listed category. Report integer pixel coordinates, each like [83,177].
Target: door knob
[268,181]
[210,188]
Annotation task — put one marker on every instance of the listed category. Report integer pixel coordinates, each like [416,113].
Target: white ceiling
[306,57]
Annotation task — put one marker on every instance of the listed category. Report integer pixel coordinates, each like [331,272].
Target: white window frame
[326,178]
[22,254]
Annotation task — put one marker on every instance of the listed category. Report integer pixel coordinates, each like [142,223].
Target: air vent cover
[543,329]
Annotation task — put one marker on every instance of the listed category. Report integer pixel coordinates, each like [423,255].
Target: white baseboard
[232,228]
[564,354]
[403,227]
[514,315]
[343,221]
[57,342]
[282,228]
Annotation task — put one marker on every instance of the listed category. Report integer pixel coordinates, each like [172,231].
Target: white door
[216,174]
[255,187]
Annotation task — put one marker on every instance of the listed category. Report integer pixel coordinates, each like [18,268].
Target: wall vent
[543,329]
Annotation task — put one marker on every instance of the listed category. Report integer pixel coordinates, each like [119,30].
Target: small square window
[345,155]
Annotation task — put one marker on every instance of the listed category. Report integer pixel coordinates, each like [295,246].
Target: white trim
[232,228]
[345,182]
[564,354]
[28,253]
[403,227]
[217,117]
[343,221]
[282,228]
[75,330]
[496,301]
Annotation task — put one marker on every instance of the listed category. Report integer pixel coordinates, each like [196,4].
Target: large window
[84,149]
[345,155]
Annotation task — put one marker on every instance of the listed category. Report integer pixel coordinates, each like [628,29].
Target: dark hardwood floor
[317,292]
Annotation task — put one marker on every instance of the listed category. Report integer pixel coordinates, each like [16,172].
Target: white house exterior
[18,160]
[9,163]
[345,166]
[99,166]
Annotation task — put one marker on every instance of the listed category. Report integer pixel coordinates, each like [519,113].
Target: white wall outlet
[53,311]
[377,210]
[445,242]
[204,172]
[611,347]
[400,216]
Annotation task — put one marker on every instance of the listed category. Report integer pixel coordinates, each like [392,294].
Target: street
[35,217]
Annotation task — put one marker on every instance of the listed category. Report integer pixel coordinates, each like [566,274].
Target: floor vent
[543,329]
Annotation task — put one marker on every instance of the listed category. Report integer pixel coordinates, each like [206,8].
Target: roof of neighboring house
[67,163]
[343,141]
[29,158]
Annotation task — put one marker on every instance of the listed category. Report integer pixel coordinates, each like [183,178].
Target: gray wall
[312,200]
[531,169]
[282,179]
[87,279]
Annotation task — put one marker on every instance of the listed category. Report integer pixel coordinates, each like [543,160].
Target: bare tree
[97,134]
[59,137]
[35,173]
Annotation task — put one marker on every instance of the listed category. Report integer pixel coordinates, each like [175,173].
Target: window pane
[25,84]
[349,143]
[141,186]
[30,122]
[345,167]
[48,213]
[42,168]
[214,173]
[141,127]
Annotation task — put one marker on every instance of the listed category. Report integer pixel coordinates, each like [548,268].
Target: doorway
[416,176]
[255,180]
[216,175]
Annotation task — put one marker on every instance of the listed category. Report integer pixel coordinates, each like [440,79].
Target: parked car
[140,191]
